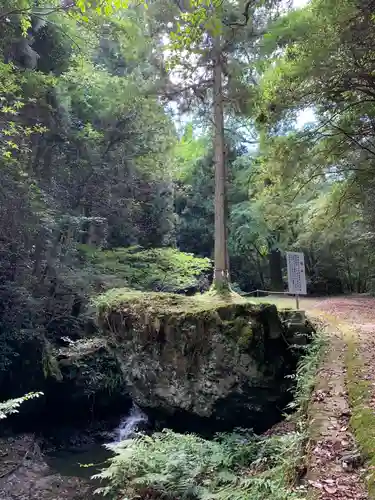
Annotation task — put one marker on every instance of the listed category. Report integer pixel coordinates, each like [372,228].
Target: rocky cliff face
[221,365]
[81,382]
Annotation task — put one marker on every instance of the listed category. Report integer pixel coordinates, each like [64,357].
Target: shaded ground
[24,474]
[352,321]
[355,317]
[335,468]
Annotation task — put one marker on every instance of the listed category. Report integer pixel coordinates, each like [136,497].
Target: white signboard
[296,273]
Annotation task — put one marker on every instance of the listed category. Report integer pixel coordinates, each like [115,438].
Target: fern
[11,405]
[190,467]
[306,371]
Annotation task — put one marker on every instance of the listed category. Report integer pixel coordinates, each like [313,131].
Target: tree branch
[245,14]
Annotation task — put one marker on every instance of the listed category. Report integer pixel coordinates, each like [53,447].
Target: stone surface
[298,327]
[221,364]
[91,383]
[80,383]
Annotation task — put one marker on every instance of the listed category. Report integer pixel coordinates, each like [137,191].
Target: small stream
[69,463]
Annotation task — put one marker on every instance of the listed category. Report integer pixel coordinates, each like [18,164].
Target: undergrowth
[11,405]
[230,467]
[157,269]
[363,418]
[305,375]
[234,466]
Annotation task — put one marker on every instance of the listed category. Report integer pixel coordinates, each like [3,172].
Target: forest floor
[334,464]
[348,398]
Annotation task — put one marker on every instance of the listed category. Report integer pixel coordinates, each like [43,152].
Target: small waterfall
[129,425]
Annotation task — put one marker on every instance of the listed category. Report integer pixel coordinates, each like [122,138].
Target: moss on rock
[220,360]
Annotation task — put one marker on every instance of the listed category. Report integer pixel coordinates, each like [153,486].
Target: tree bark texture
[221,272]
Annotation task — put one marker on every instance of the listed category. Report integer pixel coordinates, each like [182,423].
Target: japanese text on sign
[296,273]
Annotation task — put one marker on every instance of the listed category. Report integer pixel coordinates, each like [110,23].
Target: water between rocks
[130,424]
[69,463]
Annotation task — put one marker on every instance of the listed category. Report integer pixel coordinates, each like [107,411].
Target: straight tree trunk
[276,272]
[221,272]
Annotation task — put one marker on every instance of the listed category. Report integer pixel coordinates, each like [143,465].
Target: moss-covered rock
[299,328]
[80,382]
[92,384]
[223,363]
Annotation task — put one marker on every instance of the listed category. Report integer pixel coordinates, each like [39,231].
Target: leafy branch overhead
[11,406]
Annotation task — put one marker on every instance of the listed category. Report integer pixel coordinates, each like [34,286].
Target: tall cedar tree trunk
[276,273]
[221,273]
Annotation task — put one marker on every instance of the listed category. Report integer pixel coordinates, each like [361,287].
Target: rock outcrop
[193,363]
[195,359]
[81,382]
[91,383]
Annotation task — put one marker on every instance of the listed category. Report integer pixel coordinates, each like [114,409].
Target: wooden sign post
[296,274]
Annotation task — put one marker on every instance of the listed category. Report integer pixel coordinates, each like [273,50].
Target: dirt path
[335,470]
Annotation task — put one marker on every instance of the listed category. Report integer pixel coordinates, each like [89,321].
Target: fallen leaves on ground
[329,476]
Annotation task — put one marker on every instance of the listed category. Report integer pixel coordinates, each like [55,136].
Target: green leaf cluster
[11,406]
[236,466]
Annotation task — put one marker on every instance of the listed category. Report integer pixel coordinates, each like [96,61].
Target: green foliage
[162,269]
[90,157]
[195,208]
[237,466]
[316,42]
[188,151]
[11,406]
[305,375]
[14,136]
[85,155]
[321,175]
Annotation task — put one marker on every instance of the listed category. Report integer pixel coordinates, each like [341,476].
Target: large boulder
[196,359]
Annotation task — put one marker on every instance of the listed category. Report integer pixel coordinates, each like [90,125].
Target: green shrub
[159,269]
[306,373]
[231,467]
